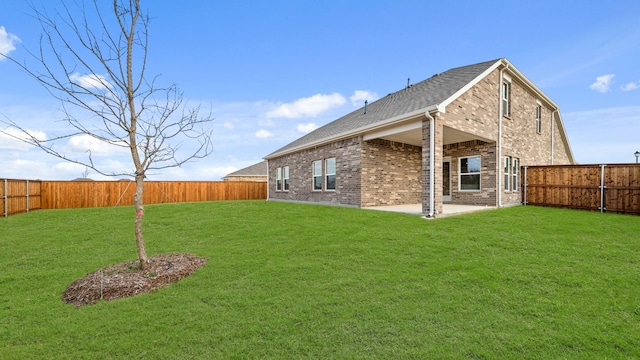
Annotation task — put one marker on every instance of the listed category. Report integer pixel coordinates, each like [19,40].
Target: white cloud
[7,41]
[631,86]
[69,168]
[228,125]
[263,134]
[359,96]
[307,128]
[602,83]
[266,122]
[215,172]
[198,172]
[82,143]
[307,107]
[90,81]
[14,139]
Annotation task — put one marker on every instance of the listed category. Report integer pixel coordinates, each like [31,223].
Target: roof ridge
[421,95]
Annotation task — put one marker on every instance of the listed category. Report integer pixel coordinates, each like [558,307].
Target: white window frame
[507,173]
[506,98]
[515,172]
[470,173]
[328,174]
[538,118]
[285,178]
[279,179]
[315,175]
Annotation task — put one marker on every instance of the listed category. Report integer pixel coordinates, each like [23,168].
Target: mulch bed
[127,279]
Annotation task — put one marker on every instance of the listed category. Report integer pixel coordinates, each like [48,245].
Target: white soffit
[411,133]
[398,130]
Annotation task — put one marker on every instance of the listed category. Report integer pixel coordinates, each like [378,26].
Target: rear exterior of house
[459,137]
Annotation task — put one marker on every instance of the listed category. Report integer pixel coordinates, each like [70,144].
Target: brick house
[256,172]
[459,137]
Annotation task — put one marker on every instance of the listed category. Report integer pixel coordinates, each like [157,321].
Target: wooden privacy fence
[606,188]
[79,194]
[18,196]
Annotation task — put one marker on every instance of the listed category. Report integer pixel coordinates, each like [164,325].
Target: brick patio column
[426,166]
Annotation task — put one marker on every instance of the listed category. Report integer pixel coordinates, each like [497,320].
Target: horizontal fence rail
[611,188]
[25,195]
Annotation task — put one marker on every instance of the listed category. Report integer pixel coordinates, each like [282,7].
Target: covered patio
[447,209]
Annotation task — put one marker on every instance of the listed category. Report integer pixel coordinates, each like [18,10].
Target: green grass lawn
[306,281]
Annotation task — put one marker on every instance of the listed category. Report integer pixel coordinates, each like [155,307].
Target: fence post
[602,188]
[27,195]
[6,199]
[524,192]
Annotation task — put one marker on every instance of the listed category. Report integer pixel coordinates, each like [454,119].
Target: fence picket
[25,195]
[613,188]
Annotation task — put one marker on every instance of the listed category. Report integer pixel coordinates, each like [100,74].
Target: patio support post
[427,157]
[431,166]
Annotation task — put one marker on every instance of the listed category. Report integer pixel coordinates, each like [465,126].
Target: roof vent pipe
[365,106]
[408,82]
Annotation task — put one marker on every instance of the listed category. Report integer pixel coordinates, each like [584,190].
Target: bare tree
[85,173]
[95,65]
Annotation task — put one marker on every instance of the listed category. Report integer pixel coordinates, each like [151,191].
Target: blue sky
[272,71]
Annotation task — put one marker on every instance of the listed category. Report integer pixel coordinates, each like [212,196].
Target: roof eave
[514,71]
[565,138]
[470,84]
[359,131]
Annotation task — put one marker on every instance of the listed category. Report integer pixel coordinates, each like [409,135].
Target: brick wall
[391,173]
[487,151]
[476,111]
[347,154]
[426,160]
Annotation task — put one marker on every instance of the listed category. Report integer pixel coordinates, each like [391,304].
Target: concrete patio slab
[447,209]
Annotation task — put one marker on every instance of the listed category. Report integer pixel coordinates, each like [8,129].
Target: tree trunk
[139,207]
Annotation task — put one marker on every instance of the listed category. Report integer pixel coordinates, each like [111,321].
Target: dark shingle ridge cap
[402,104]
[259,169]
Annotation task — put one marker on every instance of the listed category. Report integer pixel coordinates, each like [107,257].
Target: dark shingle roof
[424,94]
[259,169]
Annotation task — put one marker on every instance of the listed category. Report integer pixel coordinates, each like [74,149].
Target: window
[330,170]
[507,169]
[506,95]
[515,172]
[317,175]
[328,181]
[539,118]
[279,179]
[285,176]
[469,173]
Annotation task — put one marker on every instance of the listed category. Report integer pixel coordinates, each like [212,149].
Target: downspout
[553,121]
[432,163]
[500,161]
